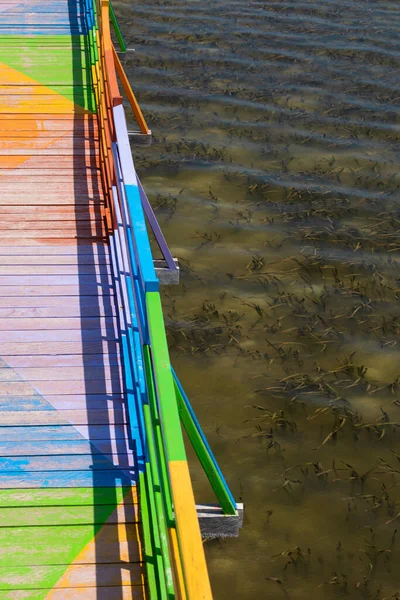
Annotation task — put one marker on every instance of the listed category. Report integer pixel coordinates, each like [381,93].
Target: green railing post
[117,29]
[158,436]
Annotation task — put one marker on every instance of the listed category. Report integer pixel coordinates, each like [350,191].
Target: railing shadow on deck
[170,532]
[102,341]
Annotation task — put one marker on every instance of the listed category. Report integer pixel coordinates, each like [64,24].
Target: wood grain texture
[60,432]
[112,593]
[36,291]
[79,576]
[60,360]
[36,551]
[60,373]
[57,323]
[68,497]
[63,515]
[55,479]
[63,417]
[59,388]
[62,464]
[60,447]
[109,332]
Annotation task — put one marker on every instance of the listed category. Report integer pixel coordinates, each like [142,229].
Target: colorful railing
[173,549]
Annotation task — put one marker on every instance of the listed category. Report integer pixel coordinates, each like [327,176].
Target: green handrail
[191,552]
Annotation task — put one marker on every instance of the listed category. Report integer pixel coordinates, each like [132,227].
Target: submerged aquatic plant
[287,320]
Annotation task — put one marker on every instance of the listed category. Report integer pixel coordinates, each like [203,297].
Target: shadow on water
[100,333]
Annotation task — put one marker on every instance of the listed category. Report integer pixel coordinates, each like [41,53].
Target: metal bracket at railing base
[165,275]
[215,524]
[143,139]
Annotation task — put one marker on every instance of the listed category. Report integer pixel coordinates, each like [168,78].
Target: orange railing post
[130,95]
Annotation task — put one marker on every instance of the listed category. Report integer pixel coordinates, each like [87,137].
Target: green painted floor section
[62,63]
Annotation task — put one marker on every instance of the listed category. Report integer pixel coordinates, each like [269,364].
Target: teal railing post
[203,450]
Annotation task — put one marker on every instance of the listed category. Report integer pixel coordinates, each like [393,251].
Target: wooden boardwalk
[68,518]
[96,499]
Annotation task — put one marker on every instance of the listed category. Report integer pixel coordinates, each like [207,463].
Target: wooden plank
[52,213]
[65,144]
[14,418]
[32,544]
[43,200]
[91,593]
[64,402]
[60,447]
[78,303]
[70,223]
[66,516]
[53,151]
[48,360]
[80,180]
[52,233]
[49,121]
[71,479]
[40,241]
[43,301]
[29,161]
[59,388]
[106,551]
[57,323]
[54,335]
[48,128]
[59,373]
[33,402]
[79,576]
[68,497]
[92,249]
[55,348]
[73,212]
[83,180]
[49,185]
[87,229]
[54,290]
[59,270]
[53,312]
[60,432]
[65,463]
[54,260]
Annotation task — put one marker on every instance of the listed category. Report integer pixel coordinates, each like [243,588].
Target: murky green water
[275,175]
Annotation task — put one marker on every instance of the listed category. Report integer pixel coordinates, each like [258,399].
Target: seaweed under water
[274,172]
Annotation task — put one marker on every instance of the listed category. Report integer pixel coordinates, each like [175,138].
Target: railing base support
[214,524]
[144,139]
[165,275]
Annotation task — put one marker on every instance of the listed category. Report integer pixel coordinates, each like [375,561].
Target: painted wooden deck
[68,521]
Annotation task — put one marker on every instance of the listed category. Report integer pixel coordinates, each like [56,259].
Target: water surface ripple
[274,172]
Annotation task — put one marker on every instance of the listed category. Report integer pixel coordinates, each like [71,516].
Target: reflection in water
[274,172]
